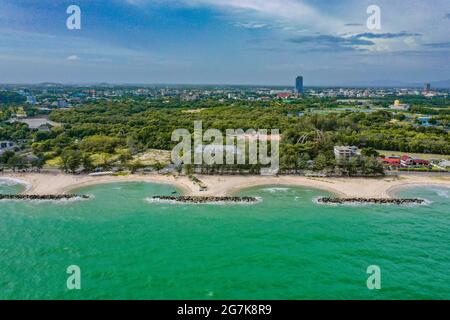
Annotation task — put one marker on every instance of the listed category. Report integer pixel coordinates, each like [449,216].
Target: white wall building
[345,152]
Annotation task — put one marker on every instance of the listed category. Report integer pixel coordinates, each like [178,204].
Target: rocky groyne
[205,199]
[52,197]
[370,200]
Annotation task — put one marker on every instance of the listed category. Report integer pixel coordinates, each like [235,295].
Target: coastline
[385,187]
[392,191]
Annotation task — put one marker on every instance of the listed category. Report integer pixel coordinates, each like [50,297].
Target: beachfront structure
[399,106]
[404,161]
[345,152]
[5,146]
[392,161]
[407,162]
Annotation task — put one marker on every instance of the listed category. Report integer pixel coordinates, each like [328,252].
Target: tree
[5,156]
[70,160]
[371,166]
[133,166]
[369,152]
[188,169]
[320,162]
[159,166]
[38,163]
[86,162]
[16,162]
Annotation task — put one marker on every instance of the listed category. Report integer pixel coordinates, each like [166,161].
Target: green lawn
[425,156]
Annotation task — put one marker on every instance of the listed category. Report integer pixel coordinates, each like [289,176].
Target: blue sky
[224,41]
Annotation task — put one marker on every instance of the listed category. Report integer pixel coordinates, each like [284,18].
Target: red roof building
[391,161]
[283,95]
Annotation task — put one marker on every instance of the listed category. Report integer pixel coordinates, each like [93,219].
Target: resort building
[392,161]
[345,152]
[407,161]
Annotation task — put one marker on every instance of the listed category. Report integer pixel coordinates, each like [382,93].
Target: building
[62,104]
[299,85]
[427,87]
[5,146]
[392,161]
[283,95]
[31,100]
[345,152]
[399,106]
[424,121]
[408,162]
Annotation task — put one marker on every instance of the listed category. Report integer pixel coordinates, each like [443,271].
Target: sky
[255,42]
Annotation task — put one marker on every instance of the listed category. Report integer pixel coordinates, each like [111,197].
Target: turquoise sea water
[285,247]
[10,187]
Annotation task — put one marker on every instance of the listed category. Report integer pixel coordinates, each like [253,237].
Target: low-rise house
[392,161]
[408,162]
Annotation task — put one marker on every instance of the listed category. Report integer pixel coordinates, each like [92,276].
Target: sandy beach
[59,183]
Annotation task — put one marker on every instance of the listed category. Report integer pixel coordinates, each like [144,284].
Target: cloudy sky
[224,41]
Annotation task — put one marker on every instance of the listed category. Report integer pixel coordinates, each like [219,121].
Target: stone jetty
[370,200]
[205,199]
[51,197]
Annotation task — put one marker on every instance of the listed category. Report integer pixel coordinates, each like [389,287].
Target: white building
[345,152]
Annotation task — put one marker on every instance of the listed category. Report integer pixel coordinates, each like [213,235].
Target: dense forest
[123,129]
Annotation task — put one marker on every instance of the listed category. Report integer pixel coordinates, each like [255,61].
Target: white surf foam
[7,181]
[276,189]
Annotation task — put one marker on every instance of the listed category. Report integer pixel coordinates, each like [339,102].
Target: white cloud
[73,58]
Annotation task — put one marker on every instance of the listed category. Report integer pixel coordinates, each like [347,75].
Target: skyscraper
[427,87]
[299,84]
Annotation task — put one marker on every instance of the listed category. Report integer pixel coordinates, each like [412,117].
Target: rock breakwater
[370,200]
[52,197]
[205,199]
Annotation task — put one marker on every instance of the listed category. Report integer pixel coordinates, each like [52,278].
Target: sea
[285,246]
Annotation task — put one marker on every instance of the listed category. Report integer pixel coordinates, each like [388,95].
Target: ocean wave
[444,193]
[41,201]
[7,181]
[276,189]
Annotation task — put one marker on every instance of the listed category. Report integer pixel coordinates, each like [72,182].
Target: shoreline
[342,187]
[392,191]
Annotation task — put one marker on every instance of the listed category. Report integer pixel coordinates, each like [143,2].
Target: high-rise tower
[299,84]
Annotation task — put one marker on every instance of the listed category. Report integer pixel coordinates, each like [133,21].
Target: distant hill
[443,84]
